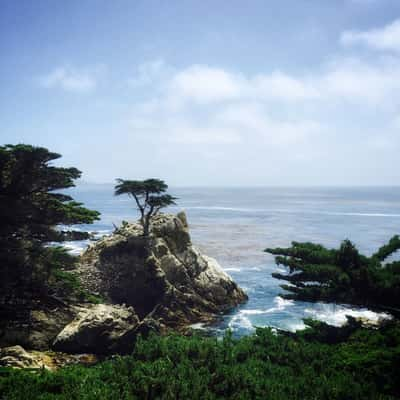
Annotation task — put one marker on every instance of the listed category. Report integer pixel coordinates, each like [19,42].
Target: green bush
[265,365]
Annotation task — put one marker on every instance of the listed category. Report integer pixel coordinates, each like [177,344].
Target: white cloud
[202,105]
[72,79]
[278,85]
[204,84]
[272,120]
[385,38]
[362,82]
[187,133]
[254,120]
[148,73]
[349,79]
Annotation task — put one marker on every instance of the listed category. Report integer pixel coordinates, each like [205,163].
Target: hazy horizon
[82,183]
[292,93]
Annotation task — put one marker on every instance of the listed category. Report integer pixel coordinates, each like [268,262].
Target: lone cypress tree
[30,211]
[149,196]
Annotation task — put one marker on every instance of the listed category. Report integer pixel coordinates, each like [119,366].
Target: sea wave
[329,313]
[302,211]
[76,248]
[241,321]
[220,208]
[358,214]
[293,326]
[336,315]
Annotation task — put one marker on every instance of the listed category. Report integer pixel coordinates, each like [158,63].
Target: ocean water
[235,225]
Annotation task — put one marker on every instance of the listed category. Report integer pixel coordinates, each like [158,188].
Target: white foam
[336,315]
[198,326]
[296,326]
[218,208]
[254,312]
[240,321]
[232,269]
[281,304]
[73,248]
[258,210]
[358,214]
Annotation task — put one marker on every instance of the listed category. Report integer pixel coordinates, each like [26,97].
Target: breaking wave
[336,315]
[258,210]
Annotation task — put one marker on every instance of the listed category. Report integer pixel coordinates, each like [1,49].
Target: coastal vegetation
[321,362]
[149,196]
[341,275]
[32,209]
[357,363]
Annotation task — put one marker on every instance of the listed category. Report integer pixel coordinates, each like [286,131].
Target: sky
[207,93]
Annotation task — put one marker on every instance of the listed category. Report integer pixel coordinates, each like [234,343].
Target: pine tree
[31,209]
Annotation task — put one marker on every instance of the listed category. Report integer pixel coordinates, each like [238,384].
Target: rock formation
[101,328]
[34,325]
[165,277]
[18,357]
[148,284]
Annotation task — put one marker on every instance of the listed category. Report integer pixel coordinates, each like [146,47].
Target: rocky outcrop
[164,276]
[18,357]
[148,284]
[102,328]
[35,325]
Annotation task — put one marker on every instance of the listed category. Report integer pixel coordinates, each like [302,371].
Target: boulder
[99,329]
[34,326]
[164,275]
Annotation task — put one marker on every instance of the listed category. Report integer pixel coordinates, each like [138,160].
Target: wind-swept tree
[316,273]
[149,196]
[30,211]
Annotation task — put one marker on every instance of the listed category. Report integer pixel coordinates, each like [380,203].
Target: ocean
[235,225]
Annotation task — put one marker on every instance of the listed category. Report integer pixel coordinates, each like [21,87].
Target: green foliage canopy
[30,210]
[149,196]
[358,364]
[341,275]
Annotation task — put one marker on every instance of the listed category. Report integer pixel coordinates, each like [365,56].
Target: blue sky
[231,93]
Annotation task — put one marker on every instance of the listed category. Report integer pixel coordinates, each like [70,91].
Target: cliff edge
[163,277]
[159,283]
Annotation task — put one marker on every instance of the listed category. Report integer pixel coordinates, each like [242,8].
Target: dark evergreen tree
[30,211]
[149,196]
[342,276]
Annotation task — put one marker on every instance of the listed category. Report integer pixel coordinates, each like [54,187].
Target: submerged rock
[164,275]
[102,328]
